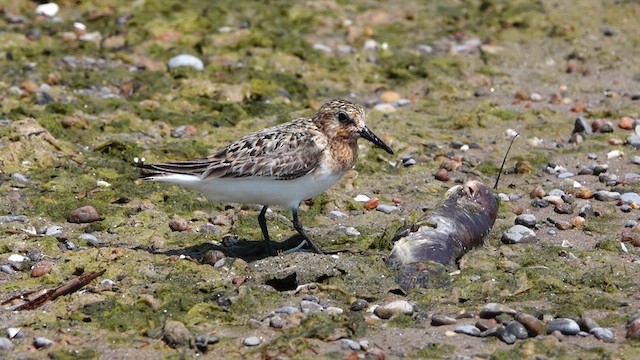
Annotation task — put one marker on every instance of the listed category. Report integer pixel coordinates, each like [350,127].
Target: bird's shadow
[247,250]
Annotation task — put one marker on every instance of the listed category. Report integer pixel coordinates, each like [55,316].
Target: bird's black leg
[262,220]
[298,226]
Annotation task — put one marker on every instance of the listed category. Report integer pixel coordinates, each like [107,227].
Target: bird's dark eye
[343,117]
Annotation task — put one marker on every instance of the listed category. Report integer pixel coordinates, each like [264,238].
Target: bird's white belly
[287,193]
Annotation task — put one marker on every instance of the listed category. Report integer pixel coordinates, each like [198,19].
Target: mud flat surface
[86,89]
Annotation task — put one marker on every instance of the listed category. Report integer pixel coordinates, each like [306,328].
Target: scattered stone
[84,214]
[179,224]
[387,209]
[287,310]
[534,326]
[309,307]
[361,198]
[630,197]
[564,208]
[371,204]
[5,344]
[374,354]
[564,325]
[333,310]
[175,334]
[527,220]
[603,334]
[603,195]
[518,234]
[12,218]
[349,344]
[359,304]
[252,341]
[442,175]
[491,310]
[202,341]
[517,329]
[276,322]
[395,307]
[468,330]
[7,269]
[42,342]
[337,214]
[211,257]
[351,231]
[49,9]
[408,161]
[439,320]
[185,60]
[41,268]
[633,328]
[581,126]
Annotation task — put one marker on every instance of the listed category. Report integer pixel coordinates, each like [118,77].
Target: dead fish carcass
[454,227]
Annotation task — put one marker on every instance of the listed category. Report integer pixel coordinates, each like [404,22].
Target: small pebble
[518,330]
[287,310]
[88,238]
[5,344]
[563,325]
[518,234]
[533,325]
[19,177]
[581,126]
[309,307]
[603,334]
[333,310]
[276,322]
[337,214]
[351,231]
[179,224]
[395,307]
[371,204]
[359,304]
[251,341]
[387,209]
[185,60]
[361,198]
[527,220]
[442,175]
[42,342]
[41,268]
[491,310]
[49,9]
[7,269]
[349,344]
[439,320]
[468,330]
[633,329]
[84,214]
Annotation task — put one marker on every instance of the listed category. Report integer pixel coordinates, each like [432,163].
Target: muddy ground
[78,105]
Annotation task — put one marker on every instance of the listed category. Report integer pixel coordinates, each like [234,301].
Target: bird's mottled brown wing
[283,152]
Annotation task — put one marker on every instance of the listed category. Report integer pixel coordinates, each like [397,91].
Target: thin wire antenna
[495,187]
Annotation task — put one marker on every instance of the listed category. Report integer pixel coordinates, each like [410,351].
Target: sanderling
[281,165]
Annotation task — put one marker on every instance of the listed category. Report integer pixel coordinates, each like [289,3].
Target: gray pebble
[211,229]
[492,310]
[630,197]
[19,177]
[5,344]
[603,334]
[395,307]
[564,208]
[107,282]
[387,209]
[600,169]
[585,170]
[518,234]
[604,195]
[541,203]
[251,341]
[565,175]
[581,126]
[633,140]
[625,208]
[359,304]
[592,156]
[631,177]
[630,223]
[13,332]
[41,342]
[586,210]
[276,322]
[635,160]
[563,325]
[468,330]
[7,269]
[322,47]
[349,344]
[309,307]
[185,60]
[53,231]
[518,330]
[556,192]
[351,231]
[439,320]
[12,218]
[88,238]
[287,310]
[527,220]
[408,162]
[504,197]
[175,333]
[608,178]
[337,214]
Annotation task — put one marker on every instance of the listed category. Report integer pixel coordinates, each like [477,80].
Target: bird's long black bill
[367,134]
